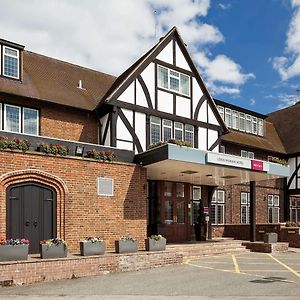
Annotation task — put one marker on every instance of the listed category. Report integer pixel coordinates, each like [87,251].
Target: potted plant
[14,249]
[155,243]
[126,244]
[92,246]
[53,248]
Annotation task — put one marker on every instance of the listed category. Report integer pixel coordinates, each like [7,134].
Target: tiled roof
[287,124]
[270,142]
[52,80]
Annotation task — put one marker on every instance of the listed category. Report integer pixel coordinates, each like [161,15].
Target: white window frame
[166,126]
[157,124]
[19,108]
[0,110]
[260,126]
[228,113]
[189,131]
[242,116]
[177,78]
[178,129]
[248,123]
[274,207]
[235,119]
[221,112]
[23,120]
[245,204]
[222,149]
[254,125]
[17,57]
[250,155]
[244,153]
[218,199]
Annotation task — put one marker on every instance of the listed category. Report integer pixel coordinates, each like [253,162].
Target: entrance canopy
[174,163]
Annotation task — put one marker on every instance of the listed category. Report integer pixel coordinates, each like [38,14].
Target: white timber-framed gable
[164,84]
[294,180]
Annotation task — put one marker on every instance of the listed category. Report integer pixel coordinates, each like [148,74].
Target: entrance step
[266,247]
[208,248]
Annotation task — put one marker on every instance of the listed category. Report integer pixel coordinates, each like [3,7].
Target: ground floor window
[273,208]
[196,204]
[245,207]
[218,208]
[295,208]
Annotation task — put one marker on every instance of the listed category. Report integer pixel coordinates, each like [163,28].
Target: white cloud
[110,35]
[252,101]
[286,100]
[288,66]
[224,6]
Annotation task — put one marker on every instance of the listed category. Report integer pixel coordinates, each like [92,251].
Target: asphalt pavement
[231,276]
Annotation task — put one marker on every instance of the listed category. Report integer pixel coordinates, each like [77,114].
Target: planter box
[53,251]
[89,248]
[16,252]
[127,246]
[153,245]
[271,237]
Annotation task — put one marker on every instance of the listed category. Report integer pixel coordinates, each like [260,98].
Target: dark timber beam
[210,193]
[252,211]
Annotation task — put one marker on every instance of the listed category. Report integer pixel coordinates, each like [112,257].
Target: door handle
[35,223]
[27,223]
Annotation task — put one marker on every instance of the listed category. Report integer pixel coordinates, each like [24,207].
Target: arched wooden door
[31,213]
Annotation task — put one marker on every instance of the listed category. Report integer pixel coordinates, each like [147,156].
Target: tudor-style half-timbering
[294,179]
[162,97]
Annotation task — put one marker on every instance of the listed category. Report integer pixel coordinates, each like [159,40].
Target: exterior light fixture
[79,151]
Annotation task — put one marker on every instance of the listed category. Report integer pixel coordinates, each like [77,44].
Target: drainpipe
[252,211]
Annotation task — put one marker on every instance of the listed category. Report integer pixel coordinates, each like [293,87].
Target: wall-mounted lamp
[79,151]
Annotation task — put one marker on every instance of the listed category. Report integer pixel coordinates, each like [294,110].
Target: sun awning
[174,163]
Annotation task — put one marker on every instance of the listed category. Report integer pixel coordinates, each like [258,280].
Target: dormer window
[173,81]
[10,62]
[10,59]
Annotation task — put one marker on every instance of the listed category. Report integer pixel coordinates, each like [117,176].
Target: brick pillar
[252,211]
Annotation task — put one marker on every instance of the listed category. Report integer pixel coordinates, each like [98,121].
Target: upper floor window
[294,209]
[10,61]
[164,130]
[189,134]
[241,121]
[155,130]
[19,119]
[247,154]
[173,81]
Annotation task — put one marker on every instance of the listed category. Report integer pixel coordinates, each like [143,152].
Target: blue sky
[247,51]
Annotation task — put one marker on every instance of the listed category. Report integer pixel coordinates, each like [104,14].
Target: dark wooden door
[174,206]
[31,213]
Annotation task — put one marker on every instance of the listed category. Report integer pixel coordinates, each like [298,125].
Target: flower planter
[155,245]
[126,246]
[13,252]
[89,248]
[53,251]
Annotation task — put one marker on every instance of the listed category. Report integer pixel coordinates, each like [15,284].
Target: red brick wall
[59,121]
[263,189]
[80,212]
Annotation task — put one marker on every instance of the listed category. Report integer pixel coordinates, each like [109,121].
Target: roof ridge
[70,63]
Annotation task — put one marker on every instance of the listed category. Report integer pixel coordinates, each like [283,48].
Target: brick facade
[80,212]
[61,122]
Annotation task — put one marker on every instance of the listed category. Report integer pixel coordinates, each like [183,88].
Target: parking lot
[230,276]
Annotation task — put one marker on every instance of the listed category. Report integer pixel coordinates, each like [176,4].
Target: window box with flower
[53,248]
[155,243]
[55,149]
[92,246]
[14,249]
[126,244]
[14,144]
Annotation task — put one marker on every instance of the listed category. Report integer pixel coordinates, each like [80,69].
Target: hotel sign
[237,162]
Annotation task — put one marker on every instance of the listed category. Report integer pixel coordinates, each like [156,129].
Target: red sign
[205,210]
[257,165]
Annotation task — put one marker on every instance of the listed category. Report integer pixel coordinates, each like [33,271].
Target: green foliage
[55,149]
[127,238]
[171,141]
[92,240]
[292,224]
[101,155]
[278,160]
[156,237]
[15,144]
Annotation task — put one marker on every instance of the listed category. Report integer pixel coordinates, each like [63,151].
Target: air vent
[105,186]
[228,177]
[189,172]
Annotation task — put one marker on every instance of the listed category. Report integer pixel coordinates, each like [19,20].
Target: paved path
[243,276]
